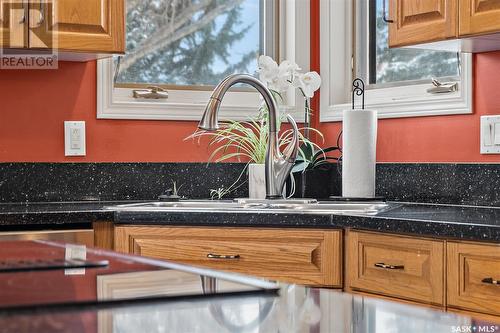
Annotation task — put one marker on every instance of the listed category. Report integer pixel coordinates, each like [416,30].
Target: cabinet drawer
[397,266]
[310,257]
[474,277]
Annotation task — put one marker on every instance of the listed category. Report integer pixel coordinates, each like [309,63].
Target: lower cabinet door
[396,266]
[311,257]
[474,277]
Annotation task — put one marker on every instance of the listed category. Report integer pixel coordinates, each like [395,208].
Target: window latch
[150,93]
[442,87]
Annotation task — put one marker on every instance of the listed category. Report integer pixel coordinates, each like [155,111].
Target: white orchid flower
[308,83]
[287,72]
[288,69]
[285,75]
[277,77]
[268,69]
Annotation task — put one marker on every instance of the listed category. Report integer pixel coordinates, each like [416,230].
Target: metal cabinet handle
[42,16]
[385,266]
[221,256]
[490,281]
[23,18]
[384,13]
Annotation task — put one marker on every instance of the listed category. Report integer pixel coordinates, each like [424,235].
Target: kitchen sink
[256,206]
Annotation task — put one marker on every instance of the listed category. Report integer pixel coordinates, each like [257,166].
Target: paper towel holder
[358,89]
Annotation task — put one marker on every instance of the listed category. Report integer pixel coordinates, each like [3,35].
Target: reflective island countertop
[88,290]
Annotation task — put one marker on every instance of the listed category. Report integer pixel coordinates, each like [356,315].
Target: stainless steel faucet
[278,165]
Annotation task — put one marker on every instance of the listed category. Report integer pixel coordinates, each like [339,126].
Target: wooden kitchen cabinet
[96,26]
[72,236]
[420,21]
[474,277]
[479,17]
[311,257]
[448,25]
[78,30]
[12,26]
[408,268]
[458,275]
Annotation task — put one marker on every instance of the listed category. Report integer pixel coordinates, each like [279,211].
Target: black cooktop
[42,274]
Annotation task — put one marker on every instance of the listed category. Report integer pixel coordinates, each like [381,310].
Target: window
[396,79]
[187,47]
[194,43]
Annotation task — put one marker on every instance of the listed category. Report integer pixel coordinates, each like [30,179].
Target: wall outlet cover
[74,138]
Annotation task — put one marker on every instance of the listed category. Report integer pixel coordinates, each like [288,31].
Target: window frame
[338,41]
[188,104]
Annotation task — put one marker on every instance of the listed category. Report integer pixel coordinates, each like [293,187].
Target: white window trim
[336,22]
[118,103]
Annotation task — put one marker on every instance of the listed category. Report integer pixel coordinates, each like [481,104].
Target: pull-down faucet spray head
[209,121]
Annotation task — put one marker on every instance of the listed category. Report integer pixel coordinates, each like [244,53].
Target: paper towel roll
[359,153]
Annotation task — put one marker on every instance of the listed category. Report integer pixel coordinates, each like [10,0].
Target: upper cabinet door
[13,30]
[419,21]
[95,26]
[479,16]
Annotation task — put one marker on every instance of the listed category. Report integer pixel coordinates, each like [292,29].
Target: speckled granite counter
[39,215]
[460,222]
[446,221]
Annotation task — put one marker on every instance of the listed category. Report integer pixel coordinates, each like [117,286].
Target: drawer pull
[490,281]
[385,266]
[221,256]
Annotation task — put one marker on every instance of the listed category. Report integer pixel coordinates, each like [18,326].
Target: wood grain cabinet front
[474,25]
[474,277]
[13,29]
[479,17]
[396,266]
[420,21]
[78,30]
[94,26]
[311,257]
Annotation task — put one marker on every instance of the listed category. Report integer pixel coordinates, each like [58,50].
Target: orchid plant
[279,78]
[247,140]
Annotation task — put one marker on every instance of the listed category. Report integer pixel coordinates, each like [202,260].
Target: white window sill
[411,101]
[189,105]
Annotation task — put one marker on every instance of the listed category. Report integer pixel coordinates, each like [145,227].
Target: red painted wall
[34,104]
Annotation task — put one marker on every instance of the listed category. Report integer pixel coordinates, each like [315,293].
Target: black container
[320,183]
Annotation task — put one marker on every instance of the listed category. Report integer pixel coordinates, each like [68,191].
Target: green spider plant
[246,141]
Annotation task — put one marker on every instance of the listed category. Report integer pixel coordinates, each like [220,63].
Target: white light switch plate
[74,138]
[490,134]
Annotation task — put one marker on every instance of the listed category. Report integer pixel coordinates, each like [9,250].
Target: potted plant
[247,140]
[316,173]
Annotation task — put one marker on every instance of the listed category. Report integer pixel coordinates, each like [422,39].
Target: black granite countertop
[41,214]
[431,220]
[446,221]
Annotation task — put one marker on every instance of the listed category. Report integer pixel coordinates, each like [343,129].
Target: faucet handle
[292,150]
